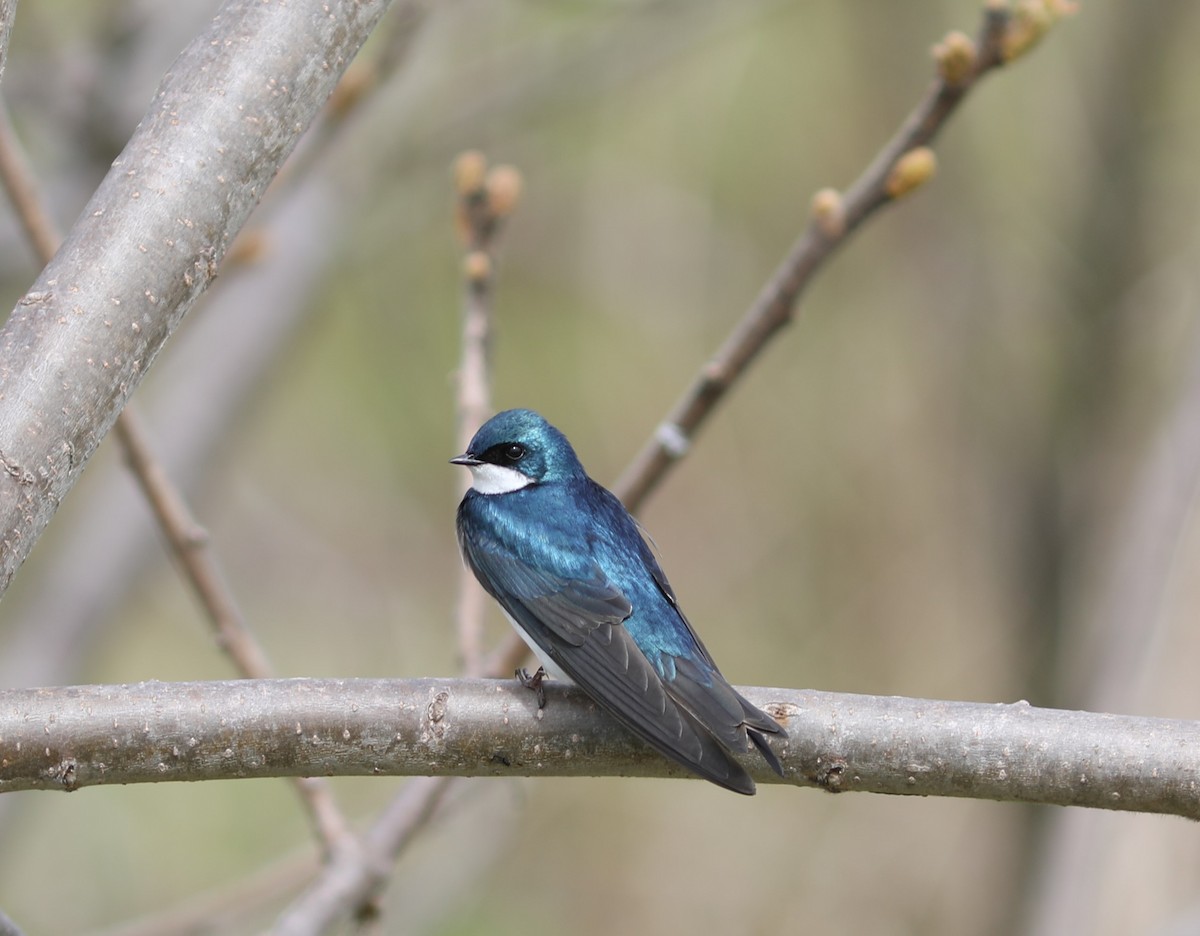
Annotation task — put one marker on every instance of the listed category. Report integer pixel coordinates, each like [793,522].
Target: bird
[575,575]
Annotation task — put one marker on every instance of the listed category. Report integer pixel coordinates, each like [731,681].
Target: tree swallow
[570,568]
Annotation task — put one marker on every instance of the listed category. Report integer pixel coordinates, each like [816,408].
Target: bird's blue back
[573,526]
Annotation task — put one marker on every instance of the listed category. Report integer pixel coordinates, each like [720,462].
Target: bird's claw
[534,683]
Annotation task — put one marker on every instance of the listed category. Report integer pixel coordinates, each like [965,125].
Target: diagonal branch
[187,540]
[69,738]
[903,164]
[900,166]
[150,240]
[8,13]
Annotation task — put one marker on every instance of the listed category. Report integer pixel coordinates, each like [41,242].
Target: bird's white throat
[497,479]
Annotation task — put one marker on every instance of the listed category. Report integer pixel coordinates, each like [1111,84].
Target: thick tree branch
[8,13]
[150,240]
[187,540]
[8,927]
[68,738]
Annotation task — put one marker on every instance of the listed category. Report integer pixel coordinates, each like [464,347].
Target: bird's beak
[467,460]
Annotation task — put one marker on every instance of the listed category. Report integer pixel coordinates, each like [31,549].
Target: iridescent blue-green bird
[570,568]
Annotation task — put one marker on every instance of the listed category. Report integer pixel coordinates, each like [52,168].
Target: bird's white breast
[497,479]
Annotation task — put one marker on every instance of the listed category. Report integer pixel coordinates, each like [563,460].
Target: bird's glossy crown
[522,440]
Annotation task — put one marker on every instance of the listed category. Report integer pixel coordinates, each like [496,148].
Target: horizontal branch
[67,738]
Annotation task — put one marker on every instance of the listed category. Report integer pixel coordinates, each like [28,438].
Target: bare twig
[190,546]
[68,738]
[900,166]
[346,887]
[485,199]
[20,185]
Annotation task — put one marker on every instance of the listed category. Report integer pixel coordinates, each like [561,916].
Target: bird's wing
[578,623]
[700,687]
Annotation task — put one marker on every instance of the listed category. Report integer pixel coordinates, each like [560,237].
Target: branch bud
[955,56]
[912,170]
[503,189]
[469,170]
[829,211]
[1030,21]
[477,267]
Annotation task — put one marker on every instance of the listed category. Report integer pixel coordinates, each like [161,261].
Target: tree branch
[187,540]
[901,165]
[8,13]
[8,927]
[148,244]
[485,199]
[68,738]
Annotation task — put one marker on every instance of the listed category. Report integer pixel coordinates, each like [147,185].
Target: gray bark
[8,13]
[222,122]
[68,738]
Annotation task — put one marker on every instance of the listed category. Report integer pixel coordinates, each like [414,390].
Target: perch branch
[69,738]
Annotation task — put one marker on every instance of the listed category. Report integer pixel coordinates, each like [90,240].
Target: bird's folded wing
[578,623]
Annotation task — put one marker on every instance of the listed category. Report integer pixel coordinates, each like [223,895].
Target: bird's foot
[534,683]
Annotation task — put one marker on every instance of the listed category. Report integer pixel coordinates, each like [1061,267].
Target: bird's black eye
[513,452]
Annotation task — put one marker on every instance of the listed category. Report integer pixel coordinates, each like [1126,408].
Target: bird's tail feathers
[760,742]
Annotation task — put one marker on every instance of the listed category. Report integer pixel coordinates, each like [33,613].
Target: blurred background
[967,470]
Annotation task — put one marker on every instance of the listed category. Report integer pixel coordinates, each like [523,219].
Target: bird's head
[515,449]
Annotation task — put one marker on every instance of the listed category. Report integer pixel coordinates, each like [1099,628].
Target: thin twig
[192,549]
[485,199]
[344,890]
[21,187]
[188,541]
[835,218]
